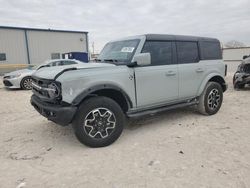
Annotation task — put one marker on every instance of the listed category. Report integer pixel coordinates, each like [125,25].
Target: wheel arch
[106,90]
[214,78]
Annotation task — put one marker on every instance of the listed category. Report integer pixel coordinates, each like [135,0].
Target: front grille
[246,68]
[7,83]
[40,88]
[41,83]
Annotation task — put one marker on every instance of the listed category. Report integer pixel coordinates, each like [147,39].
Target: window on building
[160,51]
[210,50]
[187,52]
[2,56]
[55,56]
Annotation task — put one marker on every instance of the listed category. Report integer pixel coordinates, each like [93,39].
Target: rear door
[191,70]
[158,83]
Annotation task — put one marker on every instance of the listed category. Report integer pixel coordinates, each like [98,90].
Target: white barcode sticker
[127,49]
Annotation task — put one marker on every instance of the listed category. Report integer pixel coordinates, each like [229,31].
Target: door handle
[170,73]
[199,70]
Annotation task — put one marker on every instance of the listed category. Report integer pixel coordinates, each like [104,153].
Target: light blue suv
[134,76]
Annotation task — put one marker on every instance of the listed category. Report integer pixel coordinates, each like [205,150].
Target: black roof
[37,29]
[178,38]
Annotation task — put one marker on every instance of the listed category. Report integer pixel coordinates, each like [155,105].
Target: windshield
[36,67]
[121,51]
[33,67]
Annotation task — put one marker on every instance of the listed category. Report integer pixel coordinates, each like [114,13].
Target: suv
[134,76]
[242,75]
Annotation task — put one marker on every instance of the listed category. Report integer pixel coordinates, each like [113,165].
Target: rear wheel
[211,99]
[26,83]
[99,122]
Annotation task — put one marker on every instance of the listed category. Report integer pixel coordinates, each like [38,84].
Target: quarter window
[187,52]
[160,51]
[2,57]
[210,50]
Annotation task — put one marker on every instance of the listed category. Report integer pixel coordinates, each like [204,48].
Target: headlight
[14,76]
[53,90]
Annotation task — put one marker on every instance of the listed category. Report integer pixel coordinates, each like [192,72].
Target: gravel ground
[179,148]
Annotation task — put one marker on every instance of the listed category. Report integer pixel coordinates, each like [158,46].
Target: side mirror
[245,56]
[142,59]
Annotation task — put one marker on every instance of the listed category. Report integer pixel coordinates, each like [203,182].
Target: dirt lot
[178,148]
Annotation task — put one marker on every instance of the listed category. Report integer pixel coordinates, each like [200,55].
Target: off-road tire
[26,83]
[91,107]
[205,98]
[238,86]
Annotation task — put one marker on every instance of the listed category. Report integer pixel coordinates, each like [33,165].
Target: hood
[53,72]
[21,71]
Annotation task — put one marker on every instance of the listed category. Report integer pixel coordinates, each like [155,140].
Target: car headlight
[54,90]
[14,76]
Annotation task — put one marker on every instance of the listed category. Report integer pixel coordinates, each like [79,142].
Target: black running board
[133,113]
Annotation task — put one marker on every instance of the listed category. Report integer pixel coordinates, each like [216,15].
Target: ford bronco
[242,75]
[132,77]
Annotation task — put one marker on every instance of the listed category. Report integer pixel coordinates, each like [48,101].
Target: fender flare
[89,91]
[205,81]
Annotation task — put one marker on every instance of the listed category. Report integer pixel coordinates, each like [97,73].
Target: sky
[107,20]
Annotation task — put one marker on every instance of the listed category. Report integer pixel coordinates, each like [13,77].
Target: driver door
[157,83]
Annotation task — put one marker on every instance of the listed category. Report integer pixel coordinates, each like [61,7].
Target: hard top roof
[178,37]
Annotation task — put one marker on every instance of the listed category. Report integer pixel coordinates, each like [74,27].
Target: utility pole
[93,47]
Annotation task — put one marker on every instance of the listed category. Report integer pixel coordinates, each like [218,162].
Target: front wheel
[99,122]
[211,99]
[238,86]
[26,83]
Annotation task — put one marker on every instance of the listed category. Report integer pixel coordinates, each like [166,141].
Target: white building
[235,54]
[34,46]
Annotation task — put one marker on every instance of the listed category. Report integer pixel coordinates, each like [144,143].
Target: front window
[119,51]
[160,51]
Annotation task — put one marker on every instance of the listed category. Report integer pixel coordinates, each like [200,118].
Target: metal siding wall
[235,54]
[12,42]
[43,43]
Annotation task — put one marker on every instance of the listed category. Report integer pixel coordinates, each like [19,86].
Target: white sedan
[22,78]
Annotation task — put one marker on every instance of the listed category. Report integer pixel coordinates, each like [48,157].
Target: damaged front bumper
[241,78]
[59,114]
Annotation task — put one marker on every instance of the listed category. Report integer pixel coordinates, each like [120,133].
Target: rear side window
[187,52]
[160,51]
[210,50]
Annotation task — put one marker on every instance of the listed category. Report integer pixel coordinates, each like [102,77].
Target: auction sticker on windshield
[127,49]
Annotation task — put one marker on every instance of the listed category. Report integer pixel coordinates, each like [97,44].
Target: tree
[234,44]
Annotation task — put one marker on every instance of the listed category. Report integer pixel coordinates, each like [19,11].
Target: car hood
[53,72]
[22,71]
